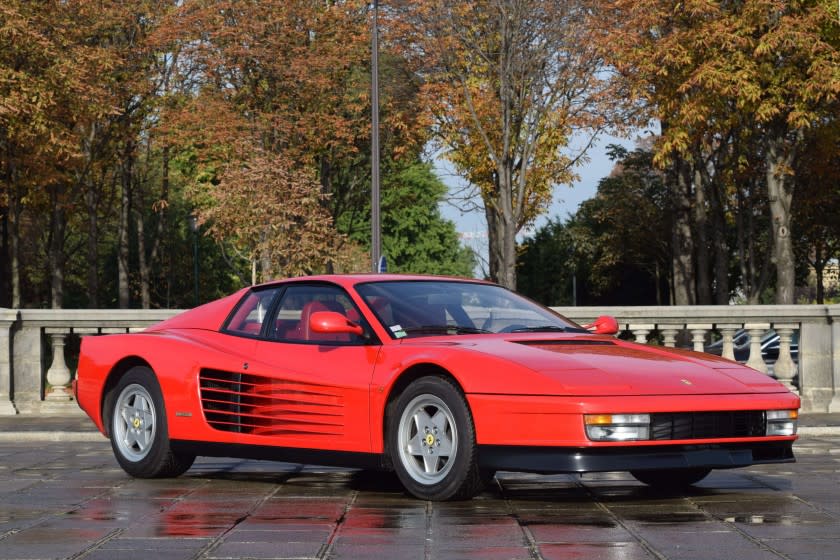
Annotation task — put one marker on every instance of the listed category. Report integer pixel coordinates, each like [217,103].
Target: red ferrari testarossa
[443,380]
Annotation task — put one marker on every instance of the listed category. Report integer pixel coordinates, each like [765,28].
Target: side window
[297,306]
[251,313]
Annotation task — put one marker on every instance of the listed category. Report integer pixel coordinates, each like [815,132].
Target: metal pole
[375,239]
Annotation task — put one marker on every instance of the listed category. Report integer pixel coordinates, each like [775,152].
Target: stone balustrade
[35,377]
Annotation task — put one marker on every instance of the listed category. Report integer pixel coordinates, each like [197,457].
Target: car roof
[348,280]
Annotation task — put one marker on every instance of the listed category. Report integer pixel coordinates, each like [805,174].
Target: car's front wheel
[431,438]
[671,479]
[138,430]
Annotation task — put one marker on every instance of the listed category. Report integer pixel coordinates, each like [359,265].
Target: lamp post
[193,222]
[375,233]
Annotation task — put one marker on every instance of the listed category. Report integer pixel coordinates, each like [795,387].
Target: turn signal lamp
[617,427]
[781,422]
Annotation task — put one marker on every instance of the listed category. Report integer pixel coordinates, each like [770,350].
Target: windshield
[438,307]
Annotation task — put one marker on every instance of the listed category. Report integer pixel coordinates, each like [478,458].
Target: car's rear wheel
[671,479]
[138,430]
[431,439]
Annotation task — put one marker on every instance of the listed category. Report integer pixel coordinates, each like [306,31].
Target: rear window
[251,313]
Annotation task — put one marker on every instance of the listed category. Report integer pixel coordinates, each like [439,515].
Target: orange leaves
[767,58]
[271,209]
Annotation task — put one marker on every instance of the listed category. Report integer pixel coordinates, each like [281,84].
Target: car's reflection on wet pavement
[71,500]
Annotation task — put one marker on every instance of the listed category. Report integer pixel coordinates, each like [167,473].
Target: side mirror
[331,322]
[605,324]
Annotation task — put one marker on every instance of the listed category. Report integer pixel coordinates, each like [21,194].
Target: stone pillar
[641,332]
[58,376]
[669,334]
[727,332]
[784,368]
[818,362]
[26,360]
[833,355]
[698,335]
[756,331]
[8,317]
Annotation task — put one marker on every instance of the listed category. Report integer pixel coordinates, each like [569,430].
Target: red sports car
[443,380]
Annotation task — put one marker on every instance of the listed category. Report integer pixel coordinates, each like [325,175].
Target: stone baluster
[698,334]
[8,318]
[641,331]
[727,332]
[669,334]
[784,367]
[58,376]
[756,330]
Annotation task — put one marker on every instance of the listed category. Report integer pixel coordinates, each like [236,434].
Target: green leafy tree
[415,236]
[547,267]
[622,235]
[818,203]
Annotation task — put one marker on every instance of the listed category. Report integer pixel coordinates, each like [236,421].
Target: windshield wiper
[547,328]
[445,329]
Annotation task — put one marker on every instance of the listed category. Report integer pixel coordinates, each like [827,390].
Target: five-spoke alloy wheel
[138,430]
[134,424]
[428,439]
[431,439]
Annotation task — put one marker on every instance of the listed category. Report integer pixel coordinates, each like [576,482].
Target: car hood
[601,365]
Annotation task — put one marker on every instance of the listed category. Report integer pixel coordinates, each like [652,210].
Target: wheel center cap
[430,439]
[136,422]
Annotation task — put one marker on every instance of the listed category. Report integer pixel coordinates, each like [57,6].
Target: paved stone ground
[71,500]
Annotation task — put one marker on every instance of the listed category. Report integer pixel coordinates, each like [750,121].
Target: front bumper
[626,458]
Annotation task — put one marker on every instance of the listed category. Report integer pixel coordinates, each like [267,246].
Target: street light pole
[375,232]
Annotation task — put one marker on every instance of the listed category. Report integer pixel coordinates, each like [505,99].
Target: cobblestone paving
[71,500]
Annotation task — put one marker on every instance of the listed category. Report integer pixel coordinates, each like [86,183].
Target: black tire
[671,479]
[442,464]
[138,430]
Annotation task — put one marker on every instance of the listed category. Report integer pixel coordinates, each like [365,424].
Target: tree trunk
[12,231]
[5,285]
[56,256]
[92,204]
[720,248]
[754,275]
[502,230]
[819,269]
[125,214]
[779,158]
[683,245]
[7,220]
[142,265]
[147,261]
[740,240]
[704,283]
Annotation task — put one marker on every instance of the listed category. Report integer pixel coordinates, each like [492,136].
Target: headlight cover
[782,422]
[617,427]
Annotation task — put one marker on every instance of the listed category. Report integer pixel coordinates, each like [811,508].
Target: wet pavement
[69,499]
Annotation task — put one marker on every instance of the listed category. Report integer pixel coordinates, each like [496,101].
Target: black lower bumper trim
[604,459]
[283,454]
